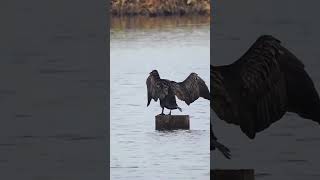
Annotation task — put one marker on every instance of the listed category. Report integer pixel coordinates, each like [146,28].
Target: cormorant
[260,87]
[188,90]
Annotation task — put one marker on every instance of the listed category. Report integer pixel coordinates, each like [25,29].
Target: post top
[166,115]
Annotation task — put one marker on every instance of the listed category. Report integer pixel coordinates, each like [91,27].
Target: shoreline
[154,8]
[145,22]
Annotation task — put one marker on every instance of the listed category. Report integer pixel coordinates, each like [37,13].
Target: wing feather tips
[263,86]
[200,85]
[248,127]
[149,100]
[148,90]
[191,89]
[302,94]
[204,90]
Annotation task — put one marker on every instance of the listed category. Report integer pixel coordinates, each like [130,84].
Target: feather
[260,87]
[191,89]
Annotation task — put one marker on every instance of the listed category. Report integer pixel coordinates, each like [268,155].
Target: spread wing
[263,88]
[266,86]
[152,89]
[191,89]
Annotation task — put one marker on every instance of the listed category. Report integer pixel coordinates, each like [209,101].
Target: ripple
[310,139]
[128,167]
[261,175]
[294,160]
[281,134]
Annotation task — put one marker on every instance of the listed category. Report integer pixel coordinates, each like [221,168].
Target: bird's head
[193,75]
[154,73]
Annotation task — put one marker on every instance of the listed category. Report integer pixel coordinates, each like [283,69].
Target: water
[288,149]
[176,47]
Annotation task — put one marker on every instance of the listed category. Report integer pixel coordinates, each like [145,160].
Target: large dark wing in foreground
[263,95]
[272,81]
[191,89]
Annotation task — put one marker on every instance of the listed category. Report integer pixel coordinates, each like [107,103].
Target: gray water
[288,149]
[175,47]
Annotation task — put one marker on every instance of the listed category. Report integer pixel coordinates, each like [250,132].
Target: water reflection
[142,22]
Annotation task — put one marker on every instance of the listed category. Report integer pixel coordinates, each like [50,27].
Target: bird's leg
[162,111]
[169,112]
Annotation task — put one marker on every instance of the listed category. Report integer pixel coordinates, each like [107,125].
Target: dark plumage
[260,87]
[189,90]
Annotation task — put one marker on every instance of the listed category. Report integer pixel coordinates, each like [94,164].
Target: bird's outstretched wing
[263,95]
[271,81]
[157,88]
[152,89]
[191,89]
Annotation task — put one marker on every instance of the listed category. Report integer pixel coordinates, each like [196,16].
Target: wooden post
[226,174]
[172,122]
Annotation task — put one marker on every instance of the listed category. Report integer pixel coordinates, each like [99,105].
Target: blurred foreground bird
[260,87]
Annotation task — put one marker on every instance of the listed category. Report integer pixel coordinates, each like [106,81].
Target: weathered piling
[234,174]
[172,122]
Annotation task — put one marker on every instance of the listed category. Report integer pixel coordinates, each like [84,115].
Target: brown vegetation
[159,7]
[144,22]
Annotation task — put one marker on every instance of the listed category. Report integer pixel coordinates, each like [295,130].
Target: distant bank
[160,7]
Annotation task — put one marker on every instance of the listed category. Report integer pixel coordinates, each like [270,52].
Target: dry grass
[160,7]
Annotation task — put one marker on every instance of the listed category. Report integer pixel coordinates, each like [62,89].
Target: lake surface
[287,150]
[176,47]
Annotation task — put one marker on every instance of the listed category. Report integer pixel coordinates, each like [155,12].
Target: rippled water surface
[175,47]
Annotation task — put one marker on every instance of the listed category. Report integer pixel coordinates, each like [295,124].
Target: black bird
[260,87]
[188,90]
